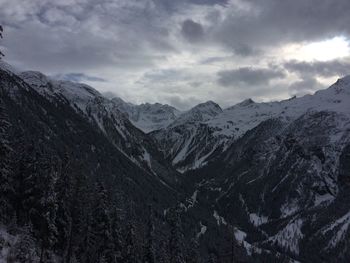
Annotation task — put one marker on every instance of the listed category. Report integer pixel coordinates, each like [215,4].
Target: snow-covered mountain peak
[199,113]
[148,117]
[246,102]
[342,85]
[34,78]
[208,105]
[77,93]
[7,67]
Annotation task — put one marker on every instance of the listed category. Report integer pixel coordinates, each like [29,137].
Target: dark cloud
[141,46]
[79,35]
[192,31]
[304,86]
[319,68]
[79,77]
[259,24]
[248,76]
[175,5]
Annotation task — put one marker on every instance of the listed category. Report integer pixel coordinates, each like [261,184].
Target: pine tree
[212,258]
[27,190]
[163,254]
[7,190]
[131,255]
[63,217]
[149,249]
[48,208]
[23,250]
[193,252]
[176,236]
[83,242]
[1,31]
[117,254]
[35,195]
[101,224]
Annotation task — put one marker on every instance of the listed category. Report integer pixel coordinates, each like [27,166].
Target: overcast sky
[182,52]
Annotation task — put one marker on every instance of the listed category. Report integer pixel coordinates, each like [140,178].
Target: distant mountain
[190,141]
[199,113]
[186,142]
[148,117]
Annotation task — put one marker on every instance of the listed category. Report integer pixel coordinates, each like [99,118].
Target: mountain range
[254,182]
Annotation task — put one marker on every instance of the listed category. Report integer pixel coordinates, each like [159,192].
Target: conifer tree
[1,31]
[101,224]
[212,258]
[193,251]
[149,249]
[24,249]
[163,254]
[117,254]
[47,206]
[176,236]
[131,250]
[6,178]
[64,217]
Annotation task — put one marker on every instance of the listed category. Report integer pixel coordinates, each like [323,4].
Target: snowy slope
[238,119]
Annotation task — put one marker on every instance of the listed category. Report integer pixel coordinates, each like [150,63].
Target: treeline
[60,214]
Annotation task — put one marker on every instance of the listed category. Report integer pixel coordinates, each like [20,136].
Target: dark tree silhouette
[1,31]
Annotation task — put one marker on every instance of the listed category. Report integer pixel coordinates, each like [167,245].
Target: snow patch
[147,158]
[342,225]
[203,230]
[193,200]
[320,199]
[240,235]
[257,220]
[219,219]
[289,237]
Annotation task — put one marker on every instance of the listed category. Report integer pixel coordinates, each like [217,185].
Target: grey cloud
[319,68]
[272,22]
[175,5]
[79,77]
[192,31]
[304,86]
[248,76]
[165,76]
[84,34]
[124,39]
[244,50]
[181,103]
[109,94]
